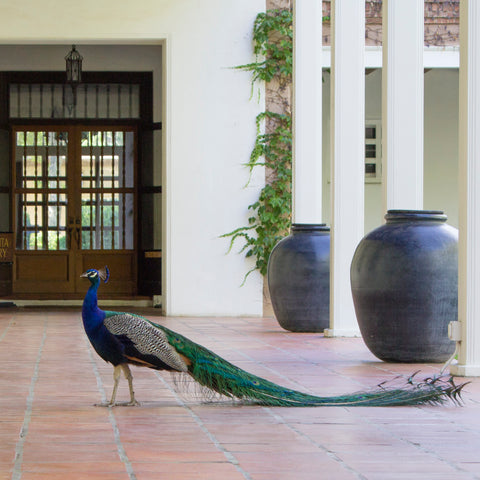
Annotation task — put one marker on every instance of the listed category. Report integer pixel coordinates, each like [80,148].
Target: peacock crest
[101,273]
[104,274]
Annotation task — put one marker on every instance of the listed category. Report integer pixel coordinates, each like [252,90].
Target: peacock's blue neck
[92,316]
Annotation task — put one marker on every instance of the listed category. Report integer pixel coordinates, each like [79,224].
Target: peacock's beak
[84,275]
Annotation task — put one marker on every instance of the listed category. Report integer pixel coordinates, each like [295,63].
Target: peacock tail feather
[219,375]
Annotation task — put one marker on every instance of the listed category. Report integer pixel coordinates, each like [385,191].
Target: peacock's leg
[116,378]
[129,377]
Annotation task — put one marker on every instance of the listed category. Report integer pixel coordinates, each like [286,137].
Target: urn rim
[416,215]
[309,227]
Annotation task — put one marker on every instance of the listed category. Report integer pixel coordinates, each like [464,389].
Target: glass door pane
[41,189]
[107,190]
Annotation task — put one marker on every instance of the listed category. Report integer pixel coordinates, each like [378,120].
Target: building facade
[182,147]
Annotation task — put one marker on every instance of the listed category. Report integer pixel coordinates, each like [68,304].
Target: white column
[348,157]
[402,104]
[469,201]
[307,111]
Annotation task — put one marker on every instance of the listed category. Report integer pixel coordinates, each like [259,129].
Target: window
[373,151]
[87,100]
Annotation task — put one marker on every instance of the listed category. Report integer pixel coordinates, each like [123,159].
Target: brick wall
[441,21]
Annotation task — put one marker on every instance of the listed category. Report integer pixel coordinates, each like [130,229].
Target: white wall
[207,115]
[440,145]
[441,142]
[373,111]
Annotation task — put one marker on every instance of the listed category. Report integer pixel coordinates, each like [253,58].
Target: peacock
[124,339]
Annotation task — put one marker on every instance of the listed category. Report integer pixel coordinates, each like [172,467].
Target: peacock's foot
[105,404]
[131,403]
[118,404]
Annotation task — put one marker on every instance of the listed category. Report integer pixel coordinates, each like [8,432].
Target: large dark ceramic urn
[404,278]
[299,278]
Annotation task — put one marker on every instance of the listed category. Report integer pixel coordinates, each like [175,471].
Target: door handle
[74,232]
[78,233]
[69,237]
[69,232]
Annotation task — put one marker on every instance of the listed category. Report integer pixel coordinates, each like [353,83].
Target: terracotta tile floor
[50,429]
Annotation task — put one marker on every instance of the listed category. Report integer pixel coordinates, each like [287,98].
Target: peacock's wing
[143,343]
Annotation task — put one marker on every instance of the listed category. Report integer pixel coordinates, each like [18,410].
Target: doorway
[74,207]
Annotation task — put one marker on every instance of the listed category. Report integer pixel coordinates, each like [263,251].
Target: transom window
[86,101]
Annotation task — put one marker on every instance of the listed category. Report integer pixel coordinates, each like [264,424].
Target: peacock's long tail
[214,372]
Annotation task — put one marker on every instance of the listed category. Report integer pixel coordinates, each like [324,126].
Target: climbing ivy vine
[272,45]
[271,213]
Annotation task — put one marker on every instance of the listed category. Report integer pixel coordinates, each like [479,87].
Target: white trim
[465,370]
[339,332]
[167,176]
[433,57]
[124,39]
[127,302]
[437,57]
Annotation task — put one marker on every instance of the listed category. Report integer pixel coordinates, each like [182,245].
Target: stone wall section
[441,22]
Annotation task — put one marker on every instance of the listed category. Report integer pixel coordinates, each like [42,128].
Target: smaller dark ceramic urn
[299,279]
[404,278]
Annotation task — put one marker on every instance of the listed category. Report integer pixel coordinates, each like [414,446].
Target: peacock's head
[96,275]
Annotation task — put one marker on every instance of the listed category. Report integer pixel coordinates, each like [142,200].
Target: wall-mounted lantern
[74,66]
[74,71]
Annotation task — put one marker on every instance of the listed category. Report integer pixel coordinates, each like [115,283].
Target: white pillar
[348,157]
[469,201]
[402,104]
[307,111]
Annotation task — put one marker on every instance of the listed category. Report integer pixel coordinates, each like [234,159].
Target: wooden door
[74,208]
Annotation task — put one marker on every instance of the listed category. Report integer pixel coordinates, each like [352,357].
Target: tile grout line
[419,447]
[2,336]
[321,447]
[228,455]
[17,467]
[111,416]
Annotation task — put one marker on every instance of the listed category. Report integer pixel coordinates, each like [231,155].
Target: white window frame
[376,161]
